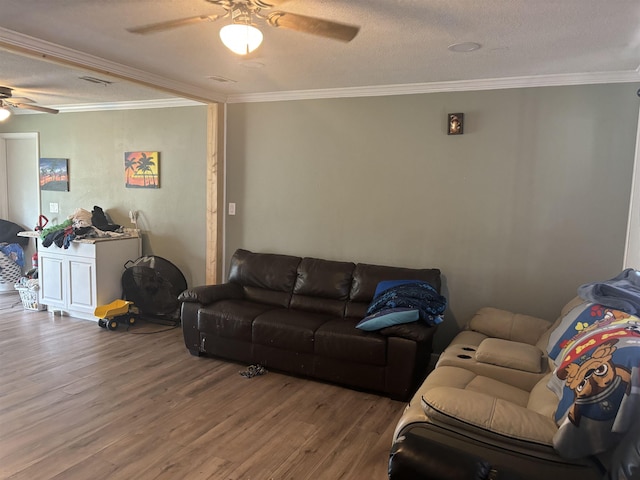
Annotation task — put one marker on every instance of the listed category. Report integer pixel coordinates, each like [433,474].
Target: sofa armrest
[207,294]
[416,331]
[517,327]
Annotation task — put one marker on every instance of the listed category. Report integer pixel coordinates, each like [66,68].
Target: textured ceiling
[401,42]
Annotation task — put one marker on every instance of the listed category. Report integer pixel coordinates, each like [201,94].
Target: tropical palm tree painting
[142,169]
[54,174]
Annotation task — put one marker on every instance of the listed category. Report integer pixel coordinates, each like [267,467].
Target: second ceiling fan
[242,37]
[8,100]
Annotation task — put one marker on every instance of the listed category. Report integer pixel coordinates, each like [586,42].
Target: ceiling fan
[8,100]
[241,13]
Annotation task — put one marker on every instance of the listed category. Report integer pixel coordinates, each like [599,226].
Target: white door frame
[632,246]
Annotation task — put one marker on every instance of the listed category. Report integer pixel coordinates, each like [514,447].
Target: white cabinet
[87,274]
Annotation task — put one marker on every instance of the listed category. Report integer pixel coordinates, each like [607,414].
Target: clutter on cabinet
[84,225]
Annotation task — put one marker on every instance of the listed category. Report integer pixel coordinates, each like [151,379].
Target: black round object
[153,284]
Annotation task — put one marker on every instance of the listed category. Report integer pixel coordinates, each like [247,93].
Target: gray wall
[172,217]
[528,204]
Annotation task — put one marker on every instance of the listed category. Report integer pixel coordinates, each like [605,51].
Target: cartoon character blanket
[596,350]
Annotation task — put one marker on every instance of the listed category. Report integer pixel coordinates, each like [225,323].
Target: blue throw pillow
[387,318]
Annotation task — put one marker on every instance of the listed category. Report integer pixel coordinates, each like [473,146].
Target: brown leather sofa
[299,315]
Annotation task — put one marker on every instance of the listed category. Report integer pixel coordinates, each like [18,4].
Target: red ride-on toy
[115,313]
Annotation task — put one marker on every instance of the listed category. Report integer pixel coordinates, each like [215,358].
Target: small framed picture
[142,169]
[455,123]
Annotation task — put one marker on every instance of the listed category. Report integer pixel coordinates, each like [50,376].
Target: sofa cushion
[266,277]
[505,353]
[542,399]
[288,329]
[341,340]
[324,278]
[460,398]
[230,318]
[488,414]
[367,277]
[463,379]
[322,286]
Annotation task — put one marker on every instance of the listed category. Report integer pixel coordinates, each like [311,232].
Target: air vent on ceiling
[218,78]
[98,81]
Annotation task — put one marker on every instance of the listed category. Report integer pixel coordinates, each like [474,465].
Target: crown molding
[130,105]
[437,87]
[30,46]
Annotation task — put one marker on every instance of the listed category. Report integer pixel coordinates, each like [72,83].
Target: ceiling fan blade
[21,100]
[181,22]
[314,26]
[269,3]
[33,107]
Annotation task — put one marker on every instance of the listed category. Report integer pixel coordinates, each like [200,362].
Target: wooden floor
[80,402]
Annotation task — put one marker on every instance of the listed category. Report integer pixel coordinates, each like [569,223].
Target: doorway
[19,183]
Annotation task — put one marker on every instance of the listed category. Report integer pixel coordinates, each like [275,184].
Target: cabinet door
[82,285]
[52,274]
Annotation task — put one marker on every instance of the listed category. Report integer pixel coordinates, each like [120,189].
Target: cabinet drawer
[82,249]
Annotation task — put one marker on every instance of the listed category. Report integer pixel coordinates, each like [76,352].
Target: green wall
[529,203]
[171,218]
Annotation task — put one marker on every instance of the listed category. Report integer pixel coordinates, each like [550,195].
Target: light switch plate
[53,207]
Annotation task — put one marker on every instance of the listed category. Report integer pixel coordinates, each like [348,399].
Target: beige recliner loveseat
[487,409]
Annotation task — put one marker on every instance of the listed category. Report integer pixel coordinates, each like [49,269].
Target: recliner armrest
[207,294]
[510,354]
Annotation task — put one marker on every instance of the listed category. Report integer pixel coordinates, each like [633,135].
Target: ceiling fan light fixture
[241,38]
[4,113]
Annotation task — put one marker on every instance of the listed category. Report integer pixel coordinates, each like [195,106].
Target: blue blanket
[621,292]
[420,296]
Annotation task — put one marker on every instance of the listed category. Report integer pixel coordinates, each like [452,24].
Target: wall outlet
[232,209]
[53,207]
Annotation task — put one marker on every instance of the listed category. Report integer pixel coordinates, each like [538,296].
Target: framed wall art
[455,123]
[142,169]
[54,174]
